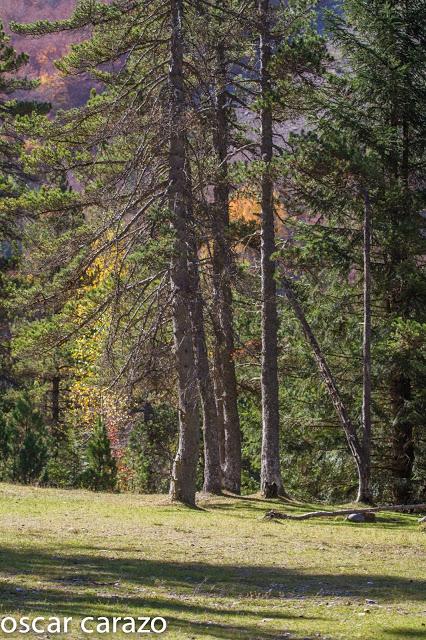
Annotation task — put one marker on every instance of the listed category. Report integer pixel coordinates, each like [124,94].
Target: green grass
[216,572]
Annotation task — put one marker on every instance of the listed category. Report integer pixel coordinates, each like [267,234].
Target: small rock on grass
[422,520]
[361,517]
[355,517]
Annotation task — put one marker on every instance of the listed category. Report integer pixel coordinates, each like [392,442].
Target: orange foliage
[248,209]
[244,208]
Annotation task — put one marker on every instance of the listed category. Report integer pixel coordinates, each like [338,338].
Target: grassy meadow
[219,571]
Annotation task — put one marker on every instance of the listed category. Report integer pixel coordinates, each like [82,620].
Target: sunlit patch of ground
[216,572]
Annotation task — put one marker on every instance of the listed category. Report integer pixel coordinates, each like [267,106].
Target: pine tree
[11,184]
[290,58]
[147,191]
[368,140]
[150,450]
[226,40]
[385,49]
[28,442]
[161,220]
[101,470]
[271,480]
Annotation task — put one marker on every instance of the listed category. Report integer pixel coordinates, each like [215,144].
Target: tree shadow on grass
[281,500]
[178,613]
[197,593]
[401,632]
[382,522]
[91,565]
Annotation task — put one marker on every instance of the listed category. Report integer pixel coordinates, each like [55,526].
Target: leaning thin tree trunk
[183,481]
[271,484]
[355,445]
[222,273]
[364,494]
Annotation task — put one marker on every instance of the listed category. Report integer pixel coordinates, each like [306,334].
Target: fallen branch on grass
[271,515]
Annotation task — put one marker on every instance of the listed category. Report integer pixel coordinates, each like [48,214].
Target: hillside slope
[44,51]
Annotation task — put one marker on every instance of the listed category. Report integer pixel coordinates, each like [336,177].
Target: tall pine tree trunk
[222,273]
[183,481]
[364,492]
[271,484]
[402,443]
[403,454]
[219,393]
[56,390]
[57,430]
[5,333]
[212,467]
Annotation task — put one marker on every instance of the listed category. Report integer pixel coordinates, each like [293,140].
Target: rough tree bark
[212,468]
[400,387]
[5,334]
[364,494]
[183,481]
[56,380]
[355,446]
[57,431]
[222,273]
[271,484]
[403,454]
[220,412]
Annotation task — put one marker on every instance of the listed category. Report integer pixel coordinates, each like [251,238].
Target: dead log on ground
[278,515]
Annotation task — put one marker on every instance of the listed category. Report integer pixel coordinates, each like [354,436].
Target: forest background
[213,225]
